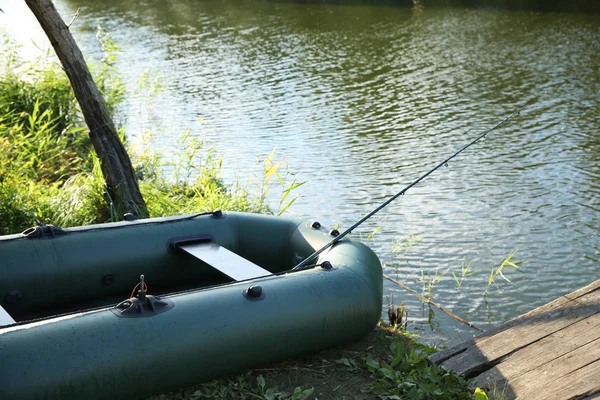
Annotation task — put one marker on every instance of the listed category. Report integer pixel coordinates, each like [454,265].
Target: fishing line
[400,193]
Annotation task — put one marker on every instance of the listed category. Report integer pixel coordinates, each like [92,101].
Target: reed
[270,167]
[466,272]
[50,174]
[498,271]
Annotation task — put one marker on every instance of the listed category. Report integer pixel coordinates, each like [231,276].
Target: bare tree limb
[121,182]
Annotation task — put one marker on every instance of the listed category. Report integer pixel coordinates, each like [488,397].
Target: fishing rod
[400,193]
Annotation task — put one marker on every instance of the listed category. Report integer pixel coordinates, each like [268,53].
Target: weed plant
[43,146]
[270,169]
[49,172]
[387,364]
[407,374]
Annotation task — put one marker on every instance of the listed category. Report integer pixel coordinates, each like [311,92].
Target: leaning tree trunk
[118,172]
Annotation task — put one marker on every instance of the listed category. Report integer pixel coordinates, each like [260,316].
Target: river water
[361,100]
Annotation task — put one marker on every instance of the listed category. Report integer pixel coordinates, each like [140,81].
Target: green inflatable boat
[136,308]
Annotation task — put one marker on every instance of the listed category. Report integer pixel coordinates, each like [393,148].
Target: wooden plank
[538,354]
[227,262]
[484,353]
[593,396]
[571,376]
[444,355]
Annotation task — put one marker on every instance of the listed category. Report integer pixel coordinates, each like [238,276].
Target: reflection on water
[361,100]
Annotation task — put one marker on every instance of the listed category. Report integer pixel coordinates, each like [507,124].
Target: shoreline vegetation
[387,364]
[49,174]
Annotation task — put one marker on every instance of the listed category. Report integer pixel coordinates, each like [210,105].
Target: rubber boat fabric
[217,297]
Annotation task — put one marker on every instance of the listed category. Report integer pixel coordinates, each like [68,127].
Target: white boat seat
[234,266]
[5,318]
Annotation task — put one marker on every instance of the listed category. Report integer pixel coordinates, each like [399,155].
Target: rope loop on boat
[136,286]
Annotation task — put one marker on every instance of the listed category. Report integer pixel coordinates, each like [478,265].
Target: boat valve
[129,217]
[253,292]
[107,279]
[13,297]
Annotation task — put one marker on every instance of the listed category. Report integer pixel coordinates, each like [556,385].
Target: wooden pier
[552,352]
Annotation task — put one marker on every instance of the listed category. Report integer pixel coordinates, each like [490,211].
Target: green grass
[387,364]
[50,173]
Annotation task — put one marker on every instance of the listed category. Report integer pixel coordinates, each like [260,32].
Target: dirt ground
[329,377]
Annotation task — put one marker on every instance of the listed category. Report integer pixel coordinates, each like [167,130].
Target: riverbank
[49,174]
[386,364]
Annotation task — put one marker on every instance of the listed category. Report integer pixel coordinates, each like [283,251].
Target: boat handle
[176,243]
